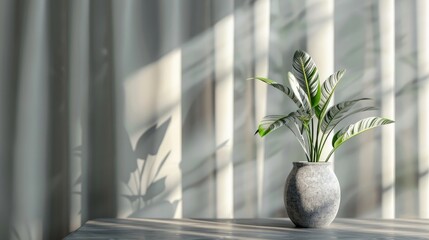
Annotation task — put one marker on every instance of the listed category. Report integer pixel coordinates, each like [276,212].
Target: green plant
[315,120]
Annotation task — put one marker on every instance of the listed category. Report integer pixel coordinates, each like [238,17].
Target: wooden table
[272,228]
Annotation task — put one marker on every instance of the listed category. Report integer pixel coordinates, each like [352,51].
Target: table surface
[266,228]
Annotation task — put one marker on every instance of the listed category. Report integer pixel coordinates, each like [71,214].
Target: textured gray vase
[312,194]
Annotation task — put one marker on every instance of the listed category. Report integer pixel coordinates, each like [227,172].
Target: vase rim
[311,163]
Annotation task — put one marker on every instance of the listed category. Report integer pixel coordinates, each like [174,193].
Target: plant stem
[313,156]
[324,139]
[310,141]
[322,142]
[318,148]
[330,153]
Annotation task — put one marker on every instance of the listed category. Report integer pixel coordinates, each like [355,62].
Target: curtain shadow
[197,111]
[11,18]
[57,219]
[99,198]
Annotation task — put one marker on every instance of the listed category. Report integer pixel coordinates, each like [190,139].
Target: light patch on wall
[153,122]
[262,32]
[224,113]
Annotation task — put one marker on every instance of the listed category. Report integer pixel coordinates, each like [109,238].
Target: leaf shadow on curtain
[145,194]
[150,203]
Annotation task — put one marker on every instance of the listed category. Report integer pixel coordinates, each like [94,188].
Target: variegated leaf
[357,128]
[363,109]
[328,89]
[282,88]
[306,73]
[299,92]
[272,122]
[336,113]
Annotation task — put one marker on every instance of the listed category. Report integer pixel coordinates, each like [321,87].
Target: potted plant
[312,191]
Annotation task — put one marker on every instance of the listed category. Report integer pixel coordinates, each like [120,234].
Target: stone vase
[312,194]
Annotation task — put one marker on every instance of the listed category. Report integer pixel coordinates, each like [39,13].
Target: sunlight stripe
[423,98]
[224,113]
[387,61]
[262,32]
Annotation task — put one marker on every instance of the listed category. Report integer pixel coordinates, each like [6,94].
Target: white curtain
[142,108]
